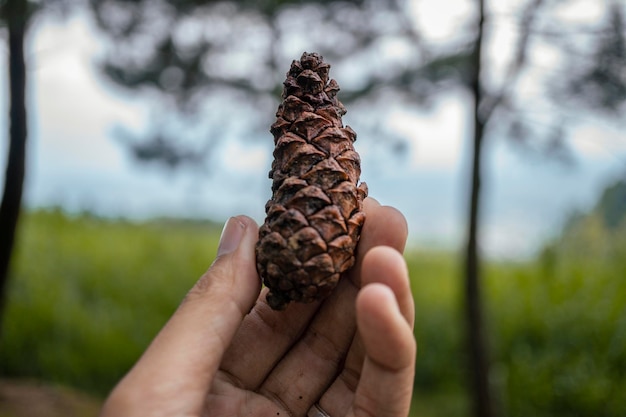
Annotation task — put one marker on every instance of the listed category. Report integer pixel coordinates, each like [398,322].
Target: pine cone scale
[314,218]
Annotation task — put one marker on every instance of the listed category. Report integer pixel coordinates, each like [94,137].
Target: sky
[75,161]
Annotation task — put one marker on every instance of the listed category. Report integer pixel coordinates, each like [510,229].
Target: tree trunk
[477,347]
[16,14]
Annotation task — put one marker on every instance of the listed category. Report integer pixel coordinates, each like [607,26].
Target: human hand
[225,352]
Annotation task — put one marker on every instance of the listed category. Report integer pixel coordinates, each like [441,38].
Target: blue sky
[74,160]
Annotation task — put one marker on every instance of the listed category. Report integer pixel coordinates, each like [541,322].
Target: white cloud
[598,142]
[244,158]
[436,136]
[71,114]
[582,11]
[69,97]
[441,23]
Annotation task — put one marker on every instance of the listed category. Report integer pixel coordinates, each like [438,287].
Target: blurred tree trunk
[485,105]
[15,13]
[477,346]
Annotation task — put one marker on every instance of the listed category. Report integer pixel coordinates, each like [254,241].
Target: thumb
[204,324]
[232,278]
[188,350]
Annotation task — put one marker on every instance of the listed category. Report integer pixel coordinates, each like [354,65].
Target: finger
[382,265]
[385,265]
[273,333]
[386,384]
[389,228]
[189,348]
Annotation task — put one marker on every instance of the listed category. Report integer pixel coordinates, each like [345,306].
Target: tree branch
[518,63]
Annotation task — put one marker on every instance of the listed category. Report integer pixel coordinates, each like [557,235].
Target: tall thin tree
[16,14]
[477,347]
[486,103]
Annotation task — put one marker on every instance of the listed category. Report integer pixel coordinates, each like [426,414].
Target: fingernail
[231,236]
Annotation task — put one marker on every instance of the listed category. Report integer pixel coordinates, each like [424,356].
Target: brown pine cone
[315,215]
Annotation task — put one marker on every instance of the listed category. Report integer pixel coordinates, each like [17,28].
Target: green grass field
[87,295]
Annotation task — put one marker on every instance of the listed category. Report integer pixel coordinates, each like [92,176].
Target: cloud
[598,142]
[67,92]
[436,136]
[244,158]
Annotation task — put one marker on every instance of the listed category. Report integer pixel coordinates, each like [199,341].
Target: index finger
[386,384]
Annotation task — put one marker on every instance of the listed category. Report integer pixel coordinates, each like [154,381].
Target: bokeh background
[148,126]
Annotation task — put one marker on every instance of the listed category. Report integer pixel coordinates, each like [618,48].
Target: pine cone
[315,215]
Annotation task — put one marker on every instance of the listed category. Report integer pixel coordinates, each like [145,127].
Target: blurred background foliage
[87,293]
[191,56]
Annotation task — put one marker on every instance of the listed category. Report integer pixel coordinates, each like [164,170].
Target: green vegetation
[88,295]
[557,324]
[557,328]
